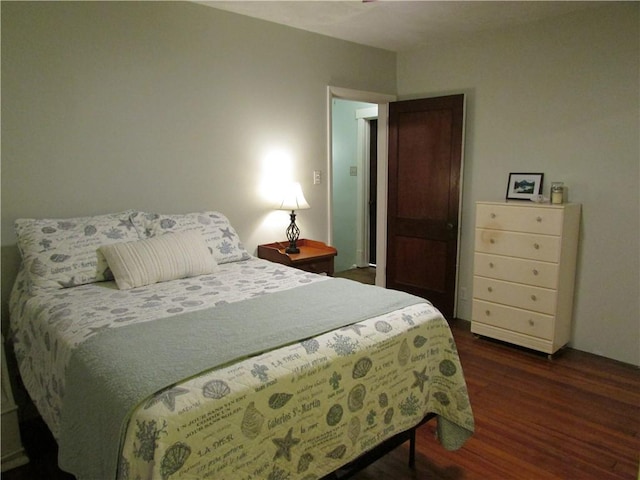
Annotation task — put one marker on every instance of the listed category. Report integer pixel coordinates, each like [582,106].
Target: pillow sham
[158,259]
[219,235]
[61,253]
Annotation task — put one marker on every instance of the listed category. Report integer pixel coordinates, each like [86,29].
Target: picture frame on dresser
[524,186]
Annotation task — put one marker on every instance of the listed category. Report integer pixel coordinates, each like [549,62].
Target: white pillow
[158,259]
[221,238]
[63,252]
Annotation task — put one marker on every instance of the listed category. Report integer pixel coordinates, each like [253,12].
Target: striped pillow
[158,259]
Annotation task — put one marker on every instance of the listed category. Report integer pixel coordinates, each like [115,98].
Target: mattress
[300,410]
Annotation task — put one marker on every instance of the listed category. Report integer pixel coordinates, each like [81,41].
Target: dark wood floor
[574,417]
[363,275]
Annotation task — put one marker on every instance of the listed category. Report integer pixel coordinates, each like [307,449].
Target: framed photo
[523,186]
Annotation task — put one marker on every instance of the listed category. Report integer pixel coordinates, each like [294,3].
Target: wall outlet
[463,293]
[353,171]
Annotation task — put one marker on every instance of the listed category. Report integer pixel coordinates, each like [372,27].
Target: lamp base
[293,233]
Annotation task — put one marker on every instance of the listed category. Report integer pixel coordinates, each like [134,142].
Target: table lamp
[293,200]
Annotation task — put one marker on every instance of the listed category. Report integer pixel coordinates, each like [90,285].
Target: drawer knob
[534,298]
[535,272]
[531,323]
[539,219]
[536,246]
[493,215]
[487,313]
[490,289]
[490,264]
[492,240]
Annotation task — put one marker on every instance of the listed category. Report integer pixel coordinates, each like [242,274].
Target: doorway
[367,155]
[382,101]
[351,171]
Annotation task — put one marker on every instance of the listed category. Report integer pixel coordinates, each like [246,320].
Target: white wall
[166,106]
[559,96]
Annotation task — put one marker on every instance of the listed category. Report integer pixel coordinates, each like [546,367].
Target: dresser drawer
[534,247]
[545,220]
[514,319]
[530,272]
[538,299]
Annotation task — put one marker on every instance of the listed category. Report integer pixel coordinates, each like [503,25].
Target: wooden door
[425,157]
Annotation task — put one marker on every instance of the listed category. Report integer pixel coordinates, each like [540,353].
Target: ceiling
[400,25]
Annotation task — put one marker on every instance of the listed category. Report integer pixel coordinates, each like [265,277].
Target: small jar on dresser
[524,273]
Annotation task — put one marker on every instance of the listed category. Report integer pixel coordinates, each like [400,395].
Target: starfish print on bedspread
[227,233]
[284,445]
[168,397]
[93,330]
[356,327]
[128,224]
[420,378]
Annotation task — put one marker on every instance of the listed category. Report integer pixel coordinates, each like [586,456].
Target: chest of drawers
[524,273]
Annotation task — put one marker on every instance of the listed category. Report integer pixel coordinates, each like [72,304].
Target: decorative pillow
[219,235]
[60,253]
[158,259]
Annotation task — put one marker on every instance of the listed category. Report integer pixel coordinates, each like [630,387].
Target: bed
[156,346]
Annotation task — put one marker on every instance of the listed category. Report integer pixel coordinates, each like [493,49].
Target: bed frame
[362,462]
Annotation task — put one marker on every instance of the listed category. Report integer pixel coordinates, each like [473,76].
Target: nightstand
[314,256]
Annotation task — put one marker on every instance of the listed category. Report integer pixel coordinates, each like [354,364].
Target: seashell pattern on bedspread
[45,328]
[299,411]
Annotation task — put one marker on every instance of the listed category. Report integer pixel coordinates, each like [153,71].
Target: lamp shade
[293,199]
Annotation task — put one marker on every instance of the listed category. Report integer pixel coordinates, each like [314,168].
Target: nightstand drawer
[321,266]
[537,299]
[530,272]
[514,319]
[527,219]
[513,244]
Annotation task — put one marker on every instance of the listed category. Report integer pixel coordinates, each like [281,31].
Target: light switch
[353,171]
[317,177]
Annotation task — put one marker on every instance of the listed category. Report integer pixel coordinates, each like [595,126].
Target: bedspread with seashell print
[298,412]
[302,411]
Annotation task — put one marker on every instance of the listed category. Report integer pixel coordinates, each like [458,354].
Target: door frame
[382,100]
[363,117]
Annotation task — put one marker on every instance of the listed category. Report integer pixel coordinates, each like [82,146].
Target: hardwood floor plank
[576,416]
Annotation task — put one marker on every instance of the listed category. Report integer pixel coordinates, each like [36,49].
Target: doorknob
[450,226]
